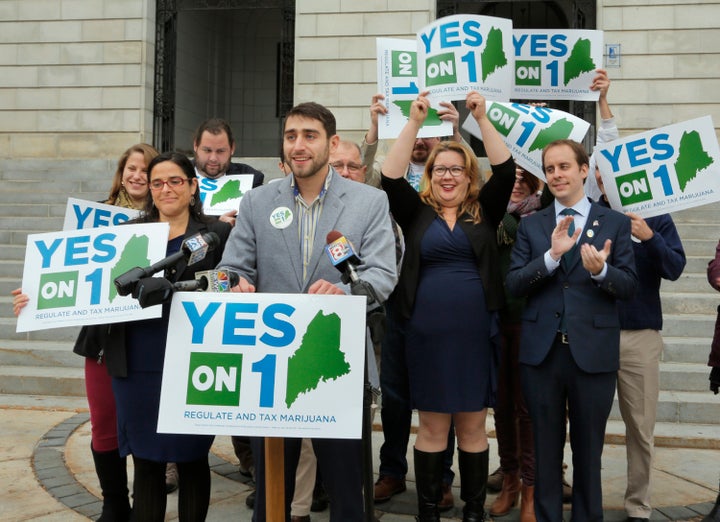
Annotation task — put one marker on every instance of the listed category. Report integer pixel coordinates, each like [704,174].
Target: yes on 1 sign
[223,194]
[526,130]
[80,214]
[277,365]
[462,53]
[69,275]
[555,64]
[398,82]
[662,170]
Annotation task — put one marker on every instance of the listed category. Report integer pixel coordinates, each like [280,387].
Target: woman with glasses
[449,292]
[129,189]
[136,352]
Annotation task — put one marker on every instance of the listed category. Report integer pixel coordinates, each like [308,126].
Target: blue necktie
[567,258]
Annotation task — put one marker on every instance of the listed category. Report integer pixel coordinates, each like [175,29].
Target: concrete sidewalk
[47,474]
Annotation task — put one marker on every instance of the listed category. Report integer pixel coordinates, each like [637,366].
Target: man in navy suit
[573,260]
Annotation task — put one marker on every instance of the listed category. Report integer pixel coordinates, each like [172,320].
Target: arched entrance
[231,59]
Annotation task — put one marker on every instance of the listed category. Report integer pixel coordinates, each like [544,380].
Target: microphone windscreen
[212,240]
[332,236]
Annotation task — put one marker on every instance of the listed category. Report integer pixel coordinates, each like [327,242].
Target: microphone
[151,291]
[342,256]
[193,249]
[209,281]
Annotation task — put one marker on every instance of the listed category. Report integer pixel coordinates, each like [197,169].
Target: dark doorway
[231,59]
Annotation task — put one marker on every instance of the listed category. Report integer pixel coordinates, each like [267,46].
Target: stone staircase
[37,365]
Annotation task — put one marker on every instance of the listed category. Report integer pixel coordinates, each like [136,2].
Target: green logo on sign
[57,290]
[528,72]
[214,379]
[440,69]
[633,188]
[404,63]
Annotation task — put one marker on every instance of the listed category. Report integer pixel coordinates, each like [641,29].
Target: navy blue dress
[138,395]
[449,344]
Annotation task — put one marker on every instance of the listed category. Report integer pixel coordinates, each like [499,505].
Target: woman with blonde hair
[449,293]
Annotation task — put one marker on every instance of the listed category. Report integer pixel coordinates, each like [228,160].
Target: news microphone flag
[340,251]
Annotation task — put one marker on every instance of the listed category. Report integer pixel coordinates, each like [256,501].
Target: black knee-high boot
[149,495]
[111,470]
[714,515]
[194,490]
[428,480]
[473,484]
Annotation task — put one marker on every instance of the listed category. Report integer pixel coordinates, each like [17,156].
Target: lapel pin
[590,233]
[596,223]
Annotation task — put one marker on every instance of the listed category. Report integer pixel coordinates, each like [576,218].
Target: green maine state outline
[230,190]
[559,130]
[493,56]
[692,158]
[432,119]
[135,253]
[579,60]
[318,359]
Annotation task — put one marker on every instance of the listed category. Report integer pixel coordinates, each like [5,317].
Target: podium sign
[269,365]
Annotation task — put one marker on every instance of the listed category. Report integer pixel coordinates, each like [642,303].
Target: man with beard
[214,146]
[286,255]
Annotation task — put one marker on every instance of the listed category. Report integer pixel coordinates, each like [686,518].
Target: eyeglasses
[455,170]
[172,182]
[351,167]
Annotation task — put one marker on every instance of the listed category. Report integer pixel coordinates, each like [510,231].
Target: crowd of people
[501,291]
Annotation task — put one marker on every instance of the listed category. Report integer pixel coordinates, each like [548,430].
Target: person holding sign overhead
[573,261]
[278,246]
[449,293]
[129,189]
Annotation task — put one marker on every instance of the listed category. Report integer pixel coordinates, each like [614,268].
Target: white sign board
[398,82]
[69,275]
[223,195]
[526,130]
[276,365]
[80,214]
[556,64]
[462,53]
[663,170]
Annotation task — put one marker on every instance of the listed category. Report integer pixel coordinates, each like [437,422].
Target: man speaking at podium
[277,246]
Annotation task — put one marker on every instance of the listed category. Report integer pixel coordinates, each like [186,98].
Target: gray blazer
[267,253]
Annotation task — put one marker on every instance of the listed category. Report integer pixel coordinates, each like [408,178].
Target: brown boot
[508,497]
[527,504]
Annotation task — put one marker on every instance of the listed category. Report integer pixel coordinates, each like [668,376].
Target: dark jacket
[108,340]
[414,217]
[661,257]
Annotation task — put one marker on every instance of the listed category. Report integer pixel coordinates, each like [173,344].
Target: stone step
[683,407]
[686,349]
[42,380]
[8,326]
[704,214]
[693,230]
[699,247]
[687,325]
[689,282]
[13,252]
[671,435]
[11,269]
[689,302]
[14,352]
[696,265]
[32,224]
[7,285]
[45,198]
[43,402]
[684,377]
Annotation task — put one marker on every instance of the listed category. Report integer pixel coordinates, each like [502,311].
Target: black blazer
[108,340]
[414,217]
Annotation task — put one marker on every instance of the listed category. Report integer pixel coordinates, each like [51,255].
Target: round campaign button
[281,217]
